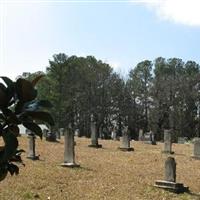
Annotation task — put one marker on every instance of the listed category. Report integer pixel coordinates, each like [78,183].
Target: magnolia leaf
[11,117]
[13,169]
[21,96]
[25,90]
[11,144]
[19,107]
[10,87]
[36,105]
[16,158]
[3,172]
[20,151]
[2,116]
[14,129]
[3,96]
[8,81]
[34,128]
[34,81]
[42,116]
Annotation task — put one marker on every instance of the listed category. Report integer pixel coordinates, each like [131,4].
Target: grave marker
[182,140]
[196,149]
[69,154]
[31,147]
[167,142]
[170,178]
[141,135]
[125,141]
[94,136]
[149,138]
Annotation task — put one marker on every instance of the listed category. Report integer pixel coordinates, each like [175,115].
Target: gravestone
[125,141]
[61,130]
[170,169]
[77,133]
[28,132]
[69,154]
[196,149]
[94,136]
[58,134]
[169,183]
[114,134]
[141,135]
[167,142]
[182,140]
[153,139]
[44,132]
[31,147]
[51,137]
[149,138]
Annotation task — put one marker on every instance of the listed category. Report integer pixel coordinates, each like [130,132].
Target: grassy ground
[105,173]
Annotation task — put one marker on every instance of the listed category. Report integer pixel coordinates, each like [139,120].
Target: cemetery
[105,172]
[98,156]
[102,161]
[91,105]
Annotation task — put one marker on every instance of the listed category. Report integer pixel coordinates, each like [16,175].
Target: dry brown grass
[105,173]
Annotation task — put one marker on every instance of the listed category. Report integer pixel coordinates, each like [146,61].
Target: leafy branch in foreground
[18,105]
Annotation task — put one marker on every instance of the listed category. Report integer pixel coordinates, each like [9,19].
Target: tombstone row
[147,138]
[125,143]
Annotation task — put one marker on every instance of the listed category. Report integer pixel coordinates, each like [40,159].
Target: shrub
[18,105]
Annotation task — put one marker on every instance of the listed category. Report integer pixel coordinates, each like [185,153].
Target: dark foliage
[18,105]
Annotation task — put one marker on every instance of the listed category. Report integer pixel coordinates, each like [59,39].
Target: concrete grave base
[154,143]
[95,146]
[150,142]
[147,142]
[126,149]
[70,165]
[195,157]
[171,186]
[168,152]
[33,157]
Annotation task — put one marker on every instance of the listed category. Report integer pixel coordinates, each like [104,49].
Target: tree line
[156,95]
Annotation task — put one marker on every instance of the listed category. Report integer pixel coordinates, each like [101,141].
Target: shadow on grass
[79,168]
[190,193]
[84,169]
[55,141]
[193,194]
[179,154]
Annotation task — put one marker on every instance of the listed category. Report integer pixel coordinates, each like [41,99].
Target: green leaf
[19,107]
[3,96]
[11,117]
[13,169]
[36,105]
[34,128]
[10,147]
[34,81]
[25,90]
[10,87]
[20,151]
[2,117]
[43,116]
[14,129]
[3,172]
[8,81]
[16,158]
